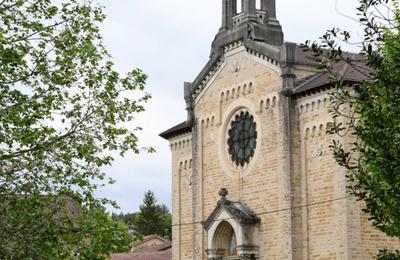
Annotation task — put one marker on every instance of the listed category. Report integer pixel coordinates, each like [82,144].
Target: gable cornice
[261,50]
[236,210]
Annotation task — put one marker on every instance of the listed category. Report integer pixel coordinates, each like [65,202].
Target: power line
[273,211]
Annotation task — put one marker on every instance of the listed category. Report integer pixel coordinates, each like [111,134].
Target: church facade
[253,175]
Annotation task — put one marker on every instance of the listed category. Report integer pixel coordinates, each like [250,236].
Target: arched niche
[232,232]
[224,240]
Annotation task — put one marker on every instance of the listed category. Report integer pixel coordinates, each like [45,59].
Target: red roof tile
[160,255]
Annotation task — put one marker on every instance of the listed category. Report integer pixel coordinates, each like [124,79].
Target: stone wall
[244,81]
[292,183]
[181,148]
[334,226]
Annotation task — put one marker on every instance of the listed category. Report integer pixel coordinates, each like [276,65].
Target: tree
[128,219]
[166,217]
[153,218]
[101,234]
[64,111]
[369,112]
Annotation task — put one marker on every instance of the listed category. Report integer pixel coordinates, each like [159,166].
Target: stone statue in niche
[233,245]
[250,31]
[254,32]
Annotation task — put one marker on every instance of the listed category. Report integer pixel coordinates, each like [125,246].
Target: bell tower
[248,24]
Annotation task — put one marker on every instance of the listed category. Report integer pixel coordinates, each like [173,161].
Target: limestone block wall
[373,240]
[182,205]
[324,187]
[334,226]
[244,80]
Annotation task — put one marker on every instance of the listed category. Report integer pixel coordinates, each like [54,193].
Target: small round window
[242,138]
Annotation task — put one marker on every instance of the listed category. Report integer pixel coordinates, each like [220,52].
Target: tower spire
[249,26]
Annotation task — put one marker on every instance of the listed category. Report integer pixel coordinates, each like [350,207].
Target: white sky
[170,41]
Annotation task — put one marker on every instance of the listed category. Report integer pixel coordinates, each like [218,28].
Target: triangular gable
[236,210]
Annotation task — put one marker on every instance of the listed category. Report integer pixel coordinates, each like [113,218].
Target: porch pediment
[232,221]
[235,210]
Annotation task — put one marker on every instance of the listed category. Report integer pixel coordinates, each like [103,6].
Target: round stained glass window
[242,138]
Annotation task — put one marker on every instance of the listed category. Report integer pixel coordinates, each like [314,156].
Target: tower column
[270,6]
[228,11]
[249,7]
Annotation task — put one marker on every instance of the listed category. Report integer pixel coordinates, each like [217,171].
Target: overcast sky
[170,41]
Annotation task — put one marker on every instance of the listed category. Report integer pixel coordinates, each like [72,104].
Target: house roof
[160,247]
[163,245]
[148,238]
[182,128]
[159,255]
[157,252]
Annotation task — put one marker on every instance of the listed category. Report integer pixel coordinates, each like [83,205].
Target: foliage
[64,111]
[128,219]
[151,219]
[103,236]
[61,227]
[387,255]
[369,112]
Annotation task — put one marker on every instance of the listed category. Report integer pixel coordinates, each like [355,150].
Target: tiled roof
[179,129]
[357,71]
[304,57]
[160,255]
[147,238]
[160,247]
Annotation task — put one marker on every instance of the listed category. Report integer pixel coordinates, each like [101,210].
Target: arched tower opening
[238,6]
[258,4]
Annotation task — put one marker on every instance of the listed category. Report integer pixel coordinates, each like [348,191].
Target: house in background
[150,248]
[151,243]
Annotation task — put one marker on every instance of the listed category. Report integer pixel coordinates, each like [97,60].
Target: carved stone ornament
[236,68]
[223,193]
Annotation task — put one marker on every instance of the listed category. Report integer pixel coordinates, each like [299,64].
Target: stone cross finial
[223,193]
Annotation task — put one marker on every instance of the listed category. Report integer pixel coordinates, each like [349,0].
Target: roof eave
[171,133]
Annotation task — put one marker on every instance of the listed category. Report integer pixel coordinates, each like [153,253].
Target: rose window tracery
[242,138]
